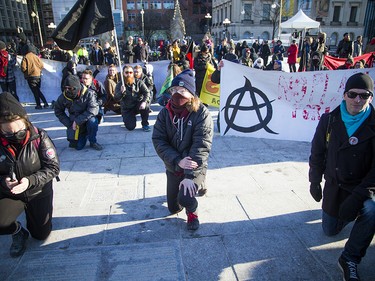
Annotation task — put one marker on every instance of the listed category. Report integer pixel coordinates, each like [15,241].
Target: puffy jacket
[133,95]
[347,168]
[37,161]
[80,109]
[175,139]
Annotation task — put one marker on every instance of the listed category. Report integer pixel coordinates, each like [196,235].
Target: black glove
[316,191]
[350,208]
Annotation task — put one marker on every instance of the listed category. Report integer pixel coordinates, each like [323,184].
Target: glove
[349,208]
[316,191]
[188,185]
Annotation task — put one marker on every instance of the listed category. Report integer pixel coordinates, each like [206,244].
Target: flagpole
[117,48]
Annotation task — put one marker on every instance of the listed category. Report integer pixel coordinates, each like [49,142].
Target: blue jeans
[362,232]
[92,129]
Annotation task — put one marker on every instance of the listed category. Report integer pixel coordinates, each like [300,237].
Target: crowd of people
[183,132]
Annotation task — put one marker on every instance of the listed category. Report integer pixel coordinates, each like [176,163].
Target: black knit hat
[10,106]
[185,79]
[360,81]
[72,81]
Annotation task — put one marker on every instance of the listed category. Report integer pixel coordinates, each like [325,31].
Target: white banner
[278,105]
[52,74]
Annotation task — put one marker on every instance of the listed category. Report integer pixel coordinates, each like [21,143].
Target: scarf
[352,122]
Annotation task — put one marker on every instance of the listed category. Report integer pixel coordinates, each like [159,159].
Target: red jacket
[3,63]
[292,53]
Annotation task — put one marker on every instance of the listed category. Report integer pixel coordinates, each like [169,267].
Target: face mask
[16,137]
[178,103]
[72,93]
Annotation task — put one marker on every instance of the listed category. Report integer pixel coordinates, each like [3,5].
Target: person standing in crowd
[279,50]
[256,46]
[29,164]
[91,83]
[10,81]
[265,52]
[31,67]
[305,54]
[82,106]
[358,47]
[175,51]
[83,55]
[140,52]
[292,56]
[342,151]
[370,47]
[246,59]
[134,98]
[109,53]
[182,138]
[128,50]
[345,47]
[317,62]
[3,66]
[200,66]
[97,54]
[69,69]
[221,50]
[111,80]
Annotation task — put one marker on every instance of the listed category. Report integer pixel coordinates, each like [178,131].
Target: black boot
[192,221]
[18,246]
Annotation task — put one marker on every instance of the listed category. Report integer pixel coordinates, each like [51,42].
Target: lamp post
[208,17]
[143,23]
[274,5]
[35,15]
[226,22]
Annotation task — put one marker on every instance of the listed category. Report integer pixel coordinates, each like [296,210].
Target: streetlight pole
[226,22]
[208,17]
[143,21]
[35,15]
[280,13]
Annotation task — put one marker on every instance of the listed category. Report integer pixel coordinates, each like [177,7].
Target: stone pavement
[258,221]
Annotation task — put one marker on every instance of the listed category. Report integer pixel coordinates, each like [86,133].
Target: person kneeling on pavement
[28,165]
[182,138]
[343,151]
[82,106]
[134,99]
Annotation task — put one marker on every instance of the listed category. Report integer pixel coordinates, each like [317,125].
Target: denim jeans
[361,234]
[92,129]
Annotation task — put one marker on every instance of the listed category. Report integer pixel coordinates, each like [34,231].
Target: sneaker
[349,269]
[146,128]
[38,107]
[192,221]
[96,146]
[18,246]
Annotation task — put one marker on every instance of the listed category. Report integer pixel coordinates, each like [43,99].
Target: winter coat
[31,65]
[37,160]
[3,65]
[292,54]
[80,110]
[110,85]
[346,168]
[174,139]
[133,95]
[279,50]
[345,49]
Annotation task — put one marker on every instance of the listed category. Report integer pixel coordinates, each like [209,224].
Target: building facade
[260,19]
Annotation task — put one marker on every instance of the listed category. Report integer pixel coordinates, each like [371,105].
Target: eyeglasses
[363,96]
[19,134]
[128,72]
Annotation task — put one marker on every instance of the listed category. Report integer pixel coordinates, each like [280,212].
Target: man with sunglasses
[343,150]
[134,98]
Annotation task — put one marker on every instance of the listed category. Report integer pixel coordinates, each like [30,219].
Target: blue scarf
[352,122]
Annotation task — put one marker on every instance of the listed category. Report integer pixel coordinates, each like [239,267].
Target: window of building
[155,5]
[117,4]
[336,13]
[247,8]
[131,5]
[333,39]
[353,14]
[265,35]
[266,11]
[168,4]
[140,3]
[131,16]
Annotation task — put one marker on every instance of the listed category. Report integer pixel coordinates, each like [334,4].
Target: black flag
[87,18]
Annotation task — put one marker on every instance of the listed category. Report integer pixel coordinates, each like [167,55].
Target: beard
[129,80]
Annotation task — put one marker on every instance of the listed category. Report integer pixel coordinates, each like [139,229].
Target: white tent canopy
[300,21]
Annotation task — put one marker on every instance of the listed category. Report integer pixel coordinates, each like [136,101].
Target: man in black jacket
[134,98]
[343,150]
[83,108]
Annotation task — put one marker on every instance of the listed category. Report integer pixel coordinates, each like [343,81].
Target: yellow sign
[210,92]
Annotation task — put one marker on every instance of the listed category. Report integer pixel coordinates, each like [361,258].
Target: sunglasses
[19,134]
[353,95]
[128,72]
